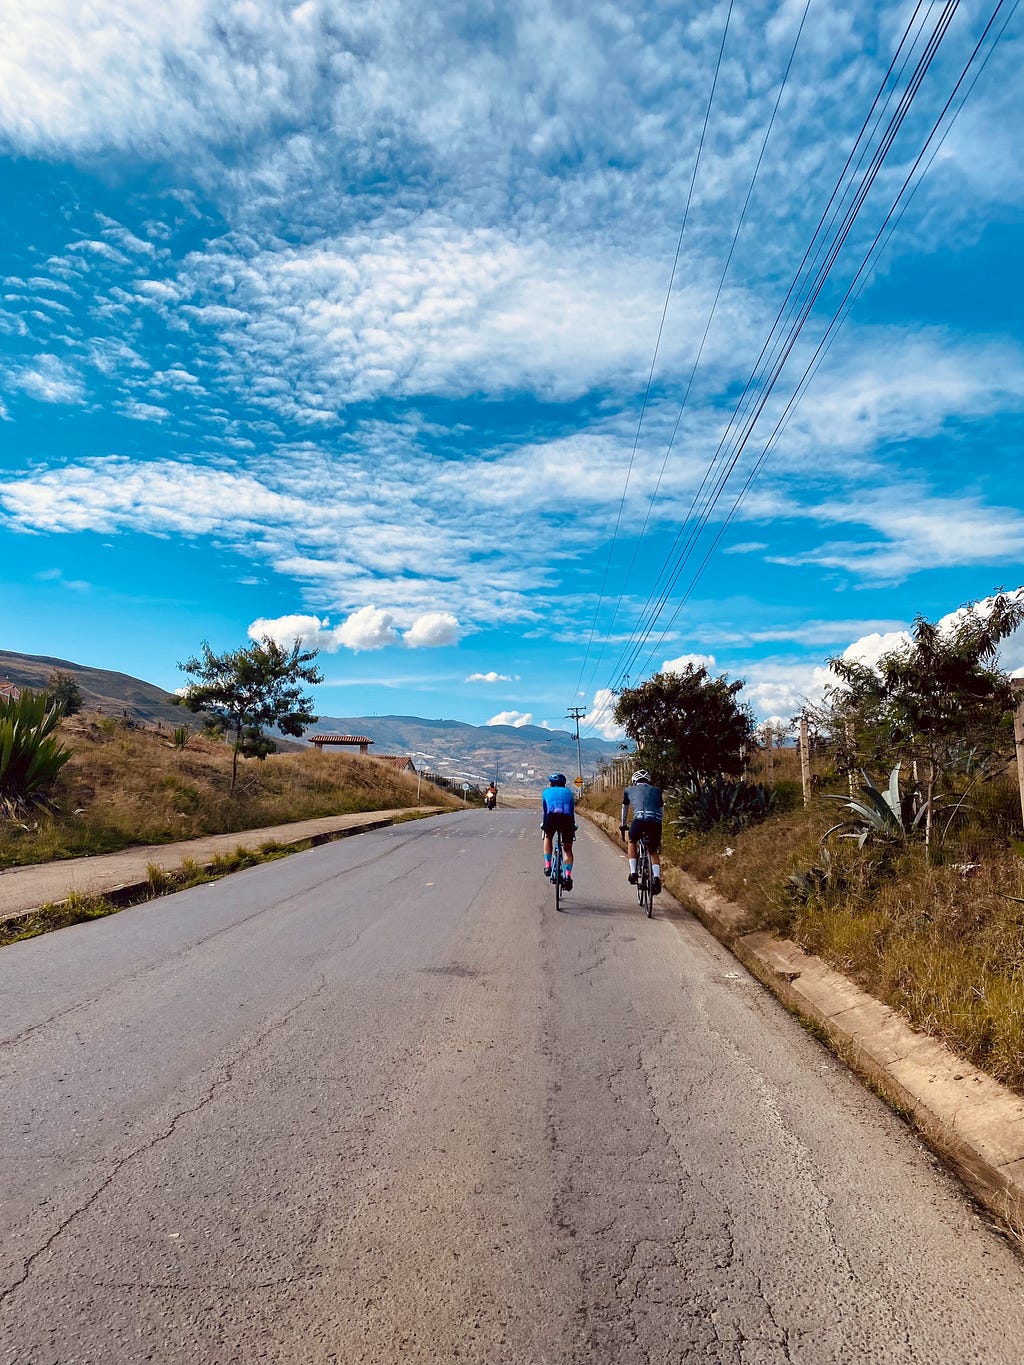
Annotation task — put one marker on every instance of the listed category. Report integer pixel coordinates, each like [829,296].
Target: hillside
[104,691]
[457,749]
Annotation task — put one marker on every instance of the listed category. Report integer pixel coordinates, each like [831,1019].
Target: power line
[700,352]
[805,290]
[657,345]
[849,298]
[785,329]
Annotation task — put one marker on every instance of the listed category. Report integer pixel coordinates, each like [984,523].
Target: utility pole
[576,713]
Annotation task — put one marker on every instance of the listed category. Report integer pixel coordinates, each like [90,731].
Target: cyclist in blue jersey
[647,805]
[558,814]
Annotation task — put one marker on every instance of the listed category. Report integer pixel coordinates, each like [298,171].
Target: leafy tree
[252,687]
[64,693]
[255,744]
[687,727]
[940,703]
[31,756]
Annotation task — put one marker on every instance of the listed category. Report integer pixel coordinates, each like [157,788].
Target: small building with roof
[402,763]
[360,742]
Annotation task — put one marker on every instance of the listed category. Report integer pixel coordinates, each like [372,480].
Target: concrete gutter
[969,1119]
[124,876]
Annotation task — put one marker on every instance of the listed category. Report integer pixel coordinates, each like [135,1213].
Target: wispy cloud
[49,380]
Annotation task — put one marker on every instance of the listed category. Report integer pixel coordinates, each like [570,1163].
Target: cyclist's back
[558,816]
[643,807]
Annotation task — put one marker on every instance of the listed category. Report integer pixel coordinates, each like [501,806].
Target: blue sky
[356,322]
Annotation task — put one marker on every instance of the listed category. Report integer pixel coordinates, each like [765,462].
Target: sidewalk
[971,1120]
[24,889]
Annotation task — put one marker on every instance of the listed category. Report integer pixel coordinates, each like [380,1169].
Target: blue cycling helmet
[557,780]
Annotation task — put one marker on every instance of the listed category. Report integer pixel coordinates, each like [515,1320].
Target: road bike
[644,877]
[557,867]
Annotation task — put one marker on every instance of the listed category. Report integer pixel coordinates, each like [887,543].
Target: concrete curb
[117,877]
[968,1118]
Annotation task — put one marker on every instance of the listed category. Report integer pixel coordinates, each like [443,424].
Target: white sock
[656,869]
[632,864]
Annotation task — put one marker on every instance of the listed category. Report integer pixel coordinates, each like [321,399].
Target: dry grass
[941,941]
[77,909]
[131,786]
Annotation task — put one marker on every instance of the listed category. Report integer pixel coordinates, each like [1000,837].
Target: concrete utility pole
[805,760]
[1018,735]
[576,713]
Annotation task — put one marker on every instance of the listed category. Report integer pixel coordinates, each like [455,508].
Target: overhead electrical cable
[856,285]
[810,297]
[806,291]
[700,351]
[657,345]
[812,252]
[760,381]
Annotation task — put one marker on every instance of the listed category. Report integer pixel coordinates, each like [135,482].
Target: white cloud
[49,380]
[144,412]
[491,677]
[870,648]
[600,715]
[514,718]
[309,631]
[685,661]
[368,628]
[433,630]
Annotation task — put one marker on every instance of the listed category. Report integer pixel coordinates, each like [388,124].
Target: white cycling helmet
[641,775]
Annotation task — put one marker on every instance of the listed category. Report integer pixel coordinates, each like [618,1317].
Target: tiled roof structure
[339,739]
[362,741]
[8,690]
[400,761]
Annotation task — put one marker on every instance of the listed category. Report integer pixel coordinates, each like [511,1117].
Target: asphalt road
[379,1103]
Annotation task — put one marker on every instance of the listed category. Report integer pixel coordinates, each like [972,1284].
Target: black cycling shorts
[651,830]
[559,823]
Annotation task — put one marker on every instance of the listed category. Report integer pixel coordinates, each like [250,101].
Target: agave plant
[705,805]
[31,755]
[889,814]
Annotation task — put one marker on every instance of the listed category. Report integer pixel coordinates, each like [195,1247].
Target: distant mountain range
[456,749]
[524,753]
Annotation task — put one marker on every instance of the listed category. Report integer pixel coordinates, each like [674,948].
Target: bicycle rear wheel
[556,870]
[644,881]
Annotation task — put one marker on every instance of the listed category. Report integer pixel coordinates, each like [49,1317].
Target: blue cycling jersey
[557,801]
[645,799]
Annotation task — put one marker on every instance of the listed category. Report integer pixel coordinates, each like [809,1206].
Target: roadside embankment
[971,1120]
[127,876]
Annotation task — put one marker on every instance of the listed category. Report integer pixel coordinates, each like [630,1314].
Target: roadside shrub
[723,804]
[31,755]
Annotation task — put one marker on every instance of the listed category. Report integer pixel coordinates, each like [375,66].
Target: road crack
[220,1082]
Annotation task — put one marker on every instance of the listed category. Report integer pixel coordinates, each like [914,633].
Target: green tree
[941,703]
[64,692]
[252,687]
[687,727]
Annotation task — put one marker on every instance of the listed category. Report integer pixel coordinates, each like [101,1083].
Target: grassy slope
[942,942]
[128,786]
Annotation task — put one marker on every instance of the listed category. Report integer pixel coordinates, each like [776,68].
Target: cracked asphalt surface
[378,1102]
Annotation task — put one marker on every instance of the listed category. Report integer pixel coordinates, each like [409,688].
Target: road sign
[577,782]
[465,786]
